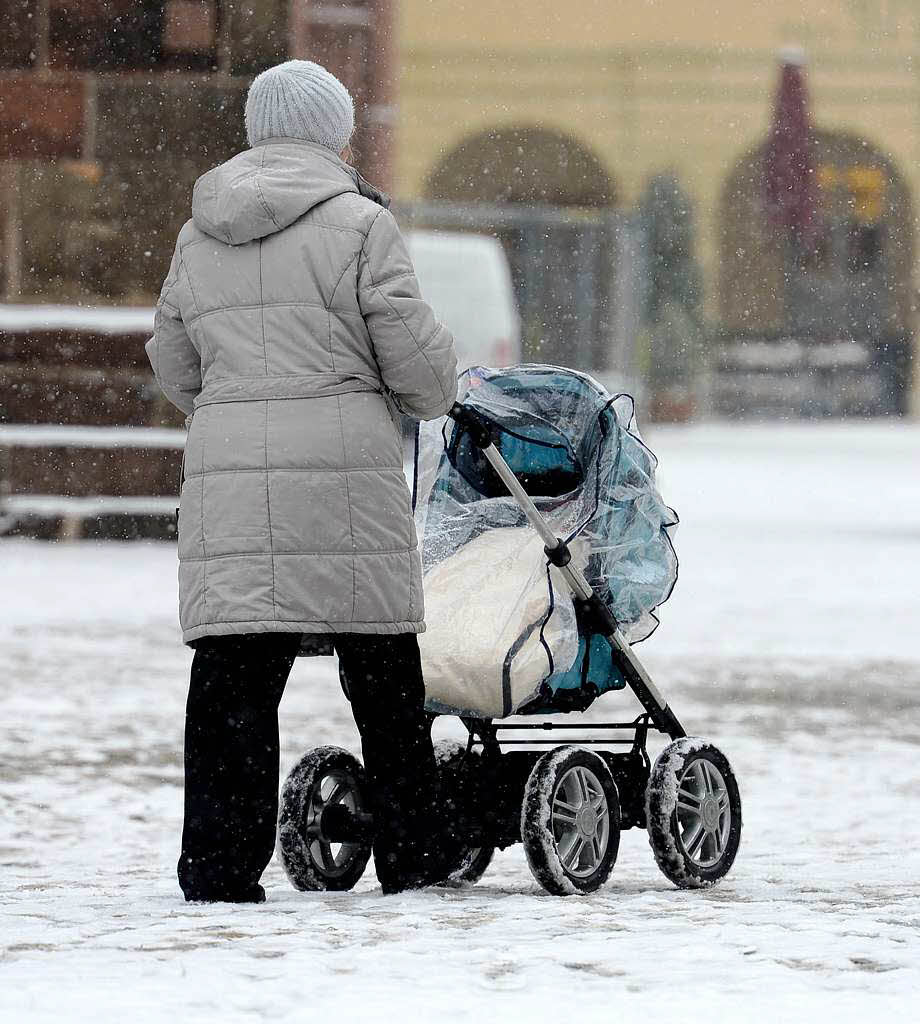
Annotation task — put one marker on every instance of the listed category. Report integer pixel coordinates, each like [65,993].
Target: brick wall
[110,110]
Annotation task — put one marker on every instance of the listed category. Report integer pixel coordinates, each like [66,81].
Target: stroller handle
[484,434]
[481,429]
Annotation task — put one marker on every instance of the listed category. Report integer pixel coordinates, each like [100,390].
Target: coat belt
[258,389]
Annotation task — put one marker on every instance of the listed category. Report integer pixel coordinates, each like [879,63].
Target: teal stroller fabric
[577,451]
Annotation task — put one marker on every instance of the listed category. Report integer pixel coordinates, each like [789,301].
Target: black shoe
[408,880]
[254,894]
[439,865]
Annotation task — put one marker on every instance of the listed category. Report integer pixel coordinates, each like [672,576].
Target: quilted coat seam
[268,510]
[227,234]
[411,583]
[414,355]
[325,553]
[204,552]
[168,286]
[341,277]
[328,226]
[395,277]
[274,305]
[192,242]
[261,376]
[367,233]
[361,250]
[351,529]
[380,470]
[402,319]
[269,622]
[418,344]
[262,310]
[265,205]
[331,353]
[191,288]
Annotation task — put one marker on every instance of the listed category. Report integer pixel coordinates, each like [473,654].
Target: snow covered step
[64,517]
[46,393]
[68,364]
[62,393]
[19,317]
[79,461]
[49,505]
[71,348]
[52,435]
[48,334]
[80,470]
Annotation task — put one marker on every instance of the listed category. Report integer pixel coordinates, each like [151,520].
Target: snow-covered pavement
[790,641]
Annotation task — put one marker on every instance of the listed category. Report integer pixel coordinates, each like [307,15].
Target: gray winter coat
[289,321]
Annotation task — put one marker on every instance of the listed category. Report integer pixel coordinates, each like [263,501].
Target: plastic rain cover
[500,620]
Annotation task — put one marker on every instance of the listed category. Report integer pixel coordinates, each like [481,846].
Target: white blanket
[494,629]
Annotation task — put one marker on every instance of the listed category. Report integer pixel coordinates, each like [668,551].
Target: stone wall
[110,109]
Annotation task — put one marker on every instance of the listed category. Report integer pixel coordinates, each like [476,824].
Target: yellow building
[647,86]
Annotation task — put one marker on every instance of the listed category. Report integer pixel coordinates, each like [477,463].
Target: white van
[467,281]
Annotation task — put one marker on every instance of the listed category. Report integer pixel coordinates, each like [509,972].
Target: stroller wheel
[454,761]
[693,811]
[324,777]
[570,821]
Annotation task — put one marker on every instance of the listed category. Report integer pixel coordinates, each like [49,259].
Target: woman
[288,327]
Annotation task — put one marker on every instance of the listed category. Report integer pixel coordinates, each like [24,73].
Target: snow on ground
[789,641]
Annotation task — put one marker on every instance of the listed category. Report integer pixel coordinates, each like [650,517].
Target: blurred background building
[589,103]
[644,164]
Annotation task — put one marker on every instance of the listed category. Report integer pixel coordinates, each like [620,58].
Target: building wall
[110,109]
[598,24]
[646,85]
[650,86]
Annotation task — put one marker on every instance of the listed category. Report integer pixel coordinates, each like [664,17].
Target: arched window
[522,164]
[849,276]
[520,182]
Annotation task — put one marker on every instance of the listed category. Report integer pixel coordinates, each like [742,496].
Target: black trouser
[231,756]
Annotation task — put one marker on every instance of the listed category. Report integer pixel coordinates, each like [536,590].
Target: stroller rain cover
[501,622]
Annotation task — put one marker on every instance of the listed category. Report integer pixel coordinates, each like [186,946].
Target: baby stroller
[536,455]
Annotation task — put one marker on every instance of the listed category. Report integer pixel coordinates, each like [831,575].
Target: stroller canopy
[501,623]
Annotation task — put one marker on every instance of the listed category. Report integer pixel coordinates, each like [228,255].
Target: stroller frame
[481,431]
[630,769]
[567,804]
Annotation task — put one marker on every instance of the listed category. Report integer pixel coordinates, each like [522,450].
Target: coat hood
[264,189]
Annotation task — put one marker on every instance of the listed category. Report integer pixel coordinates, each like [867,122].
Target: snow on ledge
[45,435]
[50,506]
[92,319]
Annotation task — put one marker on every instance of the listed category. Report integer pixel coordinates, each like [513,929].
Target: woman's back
[288,325]
[289,316]
[275,273]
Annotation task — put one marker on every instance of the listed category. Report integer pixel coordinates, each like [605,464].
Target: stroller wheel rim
[580,821]
[333,787]
[704,816]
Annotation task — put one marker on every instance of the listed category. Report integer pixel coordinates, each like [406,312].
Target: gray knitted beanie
[300,100]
